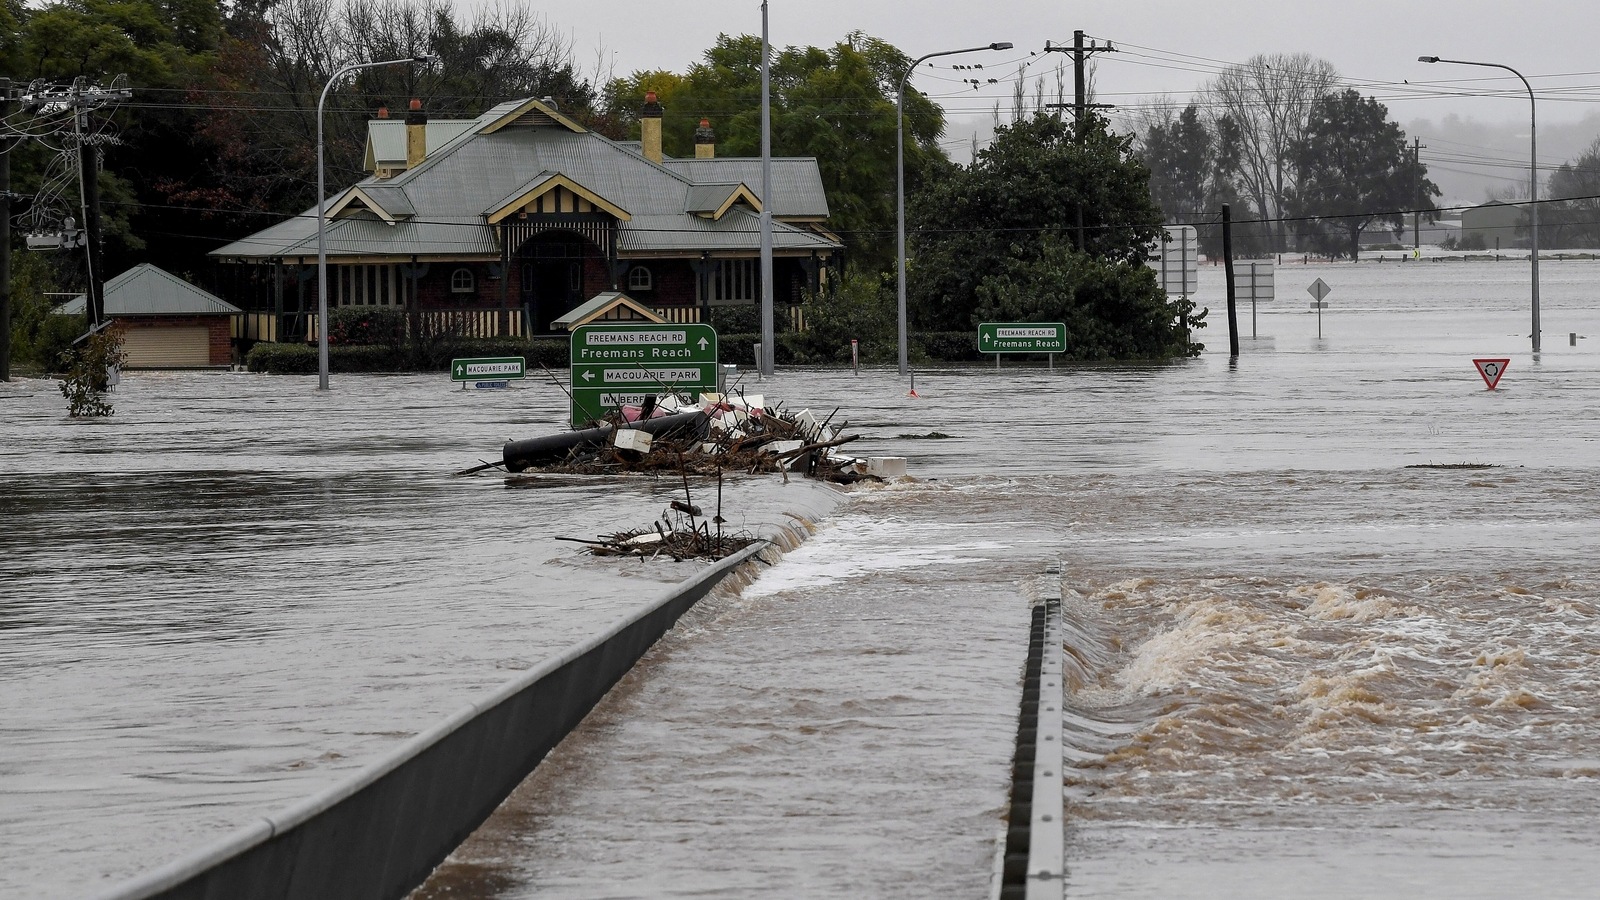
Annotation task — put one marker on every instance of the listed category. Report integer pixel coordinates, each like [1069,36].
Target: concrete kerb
[380,832]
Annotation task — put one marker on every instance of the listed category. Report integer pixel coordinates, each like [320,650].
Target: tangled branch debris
[719,434]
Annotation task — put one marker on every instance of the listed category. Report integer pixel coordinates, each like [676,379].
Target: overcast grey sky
[1172,47]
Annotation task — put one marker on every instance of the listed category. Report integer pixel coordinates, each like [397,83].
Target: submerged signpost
[1491,370]
[1022,337]
[1318,290]
[488,372]
[620,365]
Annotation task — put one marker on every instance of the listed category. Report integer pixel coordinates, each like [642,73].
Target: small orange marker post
[1491,370]
[913,392]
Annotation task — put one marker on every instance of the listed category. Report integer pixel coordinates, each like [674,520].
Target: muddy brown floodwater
[1332,619]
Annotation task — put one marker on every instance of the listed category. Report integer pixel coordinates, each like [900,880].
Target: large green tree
[1181,154]
[836,104]
[1353,170]
[1000,239]
[1571,218]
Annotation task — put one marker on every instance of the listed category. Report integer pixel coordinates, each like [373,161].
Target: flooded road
[1304,666]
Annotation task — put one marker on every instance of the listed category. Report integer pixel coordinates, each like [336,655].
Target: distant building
[503,224]
[1499,224]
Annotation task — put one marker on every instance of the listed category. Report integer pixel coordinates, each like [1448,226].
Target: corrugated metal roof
[386,138]
[705,198]
[146,290]
[740,229]
[391,198]
[598,304]
[796,181]
[474,172]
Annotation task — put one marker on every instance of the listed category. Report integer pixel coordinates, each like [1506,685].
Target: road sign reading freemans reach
[1022,337]
[619,365]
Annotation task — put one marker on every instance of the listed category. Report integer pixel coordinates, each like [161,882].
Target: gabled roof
[796,181]
[712,200]
[520,148]
[146,290]
[609,306]
[386,139]
[544,184]
[386,202]
[530,111]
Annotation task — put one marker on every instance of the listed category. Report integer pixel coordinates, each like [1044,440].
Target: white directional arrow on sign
[588,376]
[702,343]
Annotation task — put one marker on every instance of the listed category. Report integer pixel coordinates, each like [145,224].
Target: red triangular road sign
[1491,370]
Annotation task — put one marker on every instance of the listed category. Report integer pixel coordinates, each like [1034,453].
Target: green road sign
[494,368]
[1022,337]
[619,365]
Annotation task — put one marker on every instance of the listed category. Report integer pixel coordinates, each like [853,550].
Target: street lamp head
[1428,59]
[425,59]
[1000,45]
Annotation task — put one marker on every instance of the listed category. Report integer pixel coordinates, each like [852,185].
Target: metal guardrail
[1033,858]
[378,834]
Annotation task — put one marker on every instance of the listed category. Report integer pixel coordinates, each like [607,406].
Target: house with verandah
[501,224]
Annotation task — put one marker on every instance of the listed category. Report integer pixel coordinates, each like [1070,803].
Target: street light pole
[322,222]
[900,182]
[1533,170]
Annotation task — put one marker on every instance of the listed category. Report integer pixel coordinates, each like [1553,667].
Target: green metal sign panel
[1022,337]
[619,365]
[493,368]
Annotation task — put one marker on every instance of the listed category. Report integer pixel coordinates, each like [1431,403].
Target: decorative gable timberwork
[551,194]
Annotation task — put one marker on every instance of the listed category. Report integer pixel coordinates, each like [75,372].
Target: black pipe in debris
[543,451]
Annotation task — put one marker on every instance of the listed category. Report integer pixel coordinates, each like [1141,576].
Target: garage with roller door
[168,322]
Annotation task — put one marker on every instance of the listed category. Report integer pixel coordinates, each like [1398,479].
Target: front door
[552,280]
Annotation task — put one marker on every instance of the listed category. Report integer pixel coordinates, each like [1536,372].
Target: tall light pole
[1533,170]
[900,181]
[322,222]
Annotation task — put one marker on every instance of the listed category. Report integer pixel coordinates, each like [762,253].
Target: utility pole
[1416,192]
[5,236]
[89,184]
[80,100]
[1080,96]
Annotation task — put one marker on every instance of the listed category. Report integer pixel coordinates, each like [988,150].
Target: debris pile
[682,533]
[719,433]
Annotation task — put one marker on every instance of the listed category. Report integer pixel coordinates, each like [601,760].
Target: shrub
[385,325]
[88,377]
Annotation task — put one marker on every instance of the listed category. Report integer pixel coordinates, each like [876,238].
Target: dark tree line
[1304,166]
[218,139]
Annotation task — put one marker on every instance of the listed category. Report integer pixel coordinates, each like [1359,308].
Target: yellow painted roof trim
[518,113]
[546,186]
[353,195]
[740,192]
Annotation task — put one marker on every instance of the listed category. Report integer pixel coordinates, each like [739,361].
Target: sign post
[620,365]
[1318,290]
[1491,370]
[488,372]
[1022,337]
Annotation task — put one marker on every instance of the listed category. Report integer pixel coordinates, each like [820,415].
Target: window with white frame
[735,281]
[461,281]
[639,279]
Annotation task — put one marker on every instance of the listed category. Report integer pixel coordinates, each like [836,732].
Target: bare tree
[1268,99]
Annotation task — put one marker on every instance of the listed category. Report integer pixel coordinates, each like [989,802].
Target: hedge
[301,359]
[791,348]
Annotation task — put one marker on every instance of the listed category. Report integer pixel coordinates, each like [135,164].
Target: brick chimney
[416,135]
[650,127]
[705,141]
